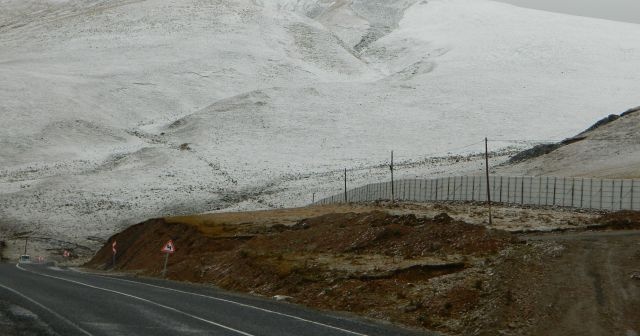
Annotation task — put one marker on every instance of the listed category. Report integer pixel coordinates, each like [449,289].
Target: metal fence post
[564,190]
[546,192]
[573,182]
[555,179]
[406,191]
[383,190]
[473,188]
[581,192]
[601,193]
[508,188]
[632,183]
[621,186]
[530,190]
[590,193]
[613,190]
[453,196]
[415,187]
[466,193]
[539,190]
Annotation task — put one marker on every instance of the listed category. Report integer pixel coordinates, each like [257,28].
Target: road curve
[68,302]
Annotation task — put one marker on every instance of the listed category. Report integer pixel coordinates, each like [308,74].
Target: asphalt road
[40,300]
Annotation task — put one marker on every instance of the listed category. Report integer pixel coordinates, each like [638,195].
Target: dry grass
[234,223]
[506,217]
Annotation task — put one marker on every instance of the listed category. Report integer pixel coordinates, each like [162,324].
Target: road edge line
[232,302]
[143,300]
[64,319]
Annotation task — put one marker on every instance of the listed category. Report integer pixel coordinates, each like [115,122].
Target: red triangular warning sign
[168,247]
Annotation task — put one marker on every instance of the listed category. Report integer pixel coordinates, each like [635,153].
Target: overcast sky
[621,10]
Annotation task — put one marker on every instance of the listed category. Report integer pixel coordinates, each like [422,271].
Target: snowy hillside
[608,151]
[114,111]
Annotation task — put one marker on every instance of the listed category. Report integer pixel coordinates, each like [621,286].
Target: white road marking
[143,300]
[232,302]
[47,309]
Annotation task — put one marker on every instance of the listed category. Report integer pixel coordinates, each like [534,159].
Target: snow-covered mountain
[113,111]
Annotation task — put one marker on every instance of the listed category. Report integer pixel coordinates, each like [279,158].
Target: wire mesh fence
[586,193]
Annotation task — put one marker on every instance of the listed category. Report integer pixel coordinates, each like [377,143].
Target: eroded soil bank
[427,272]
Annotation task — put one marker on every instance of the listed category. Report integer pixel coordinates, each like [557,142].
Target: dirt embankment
[421,272]
[431,272]
[620,220]
[3,245]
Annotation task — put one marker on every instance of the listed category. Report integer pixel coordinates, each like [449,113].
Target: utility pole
[393,198]
[486,166]
[345,186]
[26,239]
[313,198]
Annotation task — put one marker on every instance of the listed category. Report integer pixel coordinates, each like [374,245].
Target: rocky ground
[415,265]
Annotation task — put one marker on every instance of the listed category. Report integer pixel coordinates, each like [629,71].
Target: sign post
[113,249]
[167,249]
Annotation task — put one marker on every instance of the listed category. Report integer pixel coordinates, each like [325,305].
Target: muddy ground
[424,266]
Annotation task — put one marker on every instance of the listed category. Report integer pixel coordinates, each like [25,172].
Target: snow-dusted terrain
[609,151]
[113,111]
